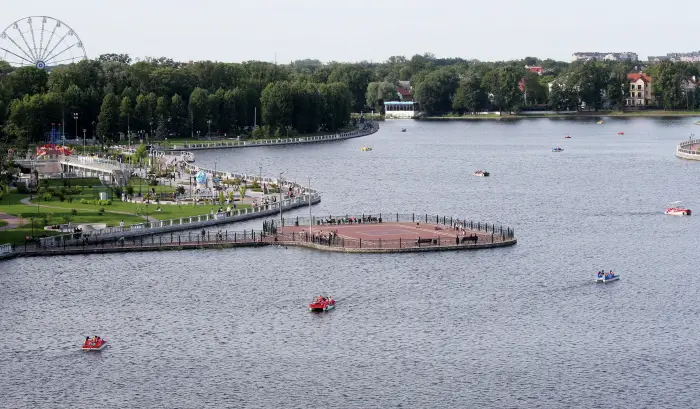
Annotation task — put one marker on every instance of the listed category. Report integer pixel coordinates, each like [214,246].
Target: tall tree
[198,110]
[470,97]
[108,120]
[126,111]
[178,113]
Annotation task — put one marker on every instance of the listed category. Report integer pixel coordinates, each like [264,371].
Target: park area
[77,201]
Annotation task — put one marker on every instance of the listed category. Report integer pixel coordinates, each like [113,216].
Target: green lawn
[48,216]
[58,183]
[137,182]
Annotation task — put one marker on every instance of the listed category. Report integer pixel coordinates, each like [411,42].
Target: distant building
[405,94]
[595,56]
[535,68]
[400,109]
[693,56]
[640,90]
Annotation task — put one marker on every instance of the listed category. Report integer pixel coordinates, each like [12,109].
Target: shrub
[101,211]
[153,182]
[256,184]
[22,188]
[180,190]
[85,201]
[47,197]
[104,202]
[73,212]
[62,197]
[117,191]
[130,190]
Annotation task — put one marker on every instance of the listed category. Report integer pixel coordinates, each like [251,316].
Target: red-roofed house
[640,92]
[535,68]
[405,94]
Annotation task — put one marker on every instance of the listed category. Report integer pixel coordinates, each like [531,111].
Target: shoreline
[598,114]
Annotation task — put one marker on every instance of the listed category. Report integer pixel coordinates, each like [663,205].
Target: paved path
[149,218]
[13,222]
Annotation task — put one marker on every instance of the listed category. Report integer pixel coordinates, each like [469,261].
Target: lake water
[517,327]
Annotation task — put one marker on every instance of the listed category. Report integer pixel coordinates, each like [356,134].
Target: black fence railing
[472,240]
[156,240]
[447,221]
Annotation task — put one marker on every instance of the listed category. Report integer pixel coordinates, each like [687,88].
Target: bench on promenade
[420,241]
[473,238]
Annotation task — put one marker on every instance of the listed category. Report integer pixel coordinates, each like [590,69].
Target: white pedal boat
[606,280]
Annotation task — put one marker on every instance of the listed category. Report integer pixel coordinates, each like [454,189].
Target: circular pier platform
[367,234]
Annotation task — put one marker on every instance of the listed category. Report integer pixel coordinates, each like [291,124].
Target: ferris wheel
[41,41]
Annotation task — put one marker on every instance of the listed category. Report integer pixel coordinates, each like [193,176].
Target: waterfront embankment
[563,114]
[689,149]
[388,233]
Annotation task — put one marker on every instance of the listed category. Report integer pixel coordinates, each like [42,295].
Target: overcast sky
[357,30]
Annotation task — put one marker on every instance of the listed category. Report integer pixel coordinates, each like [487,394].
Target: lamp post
[151,134]
[197,134]
[75,116]
[209,126]
[260,177]
[310,219]
[279,182]
[128,128]
[32,219]
[94,137]
[84,133]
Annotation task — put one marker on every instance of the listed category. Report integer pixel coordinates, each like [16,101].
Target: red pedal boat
[322,304]
[94,346]
[675,209]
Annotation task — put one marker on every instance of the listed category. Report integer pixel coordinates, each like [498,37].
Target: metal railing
[448,221]
[5,249]
[152,241]
[681,148]
[277,141]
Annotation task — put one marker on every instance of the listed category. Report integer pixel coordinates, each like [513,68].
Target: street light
[260,178]
[75,116]
[209,125]
[84,133]
[279,185]
[310,219]
[151,134]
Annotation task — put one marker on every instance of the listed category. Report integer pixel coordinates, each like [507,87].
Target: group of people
[607,276]
[94,342]
[323,238]
[328,299]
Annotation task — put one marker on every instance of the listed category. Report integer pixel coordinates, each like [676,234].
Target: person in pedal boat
[87,342]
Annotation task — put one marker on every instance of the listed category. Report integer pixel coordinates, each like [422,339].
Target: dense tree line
[160,96]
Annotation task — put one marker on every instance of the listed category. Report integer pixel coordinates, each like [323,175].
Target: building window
[640,102]
[639,86]
[639,94]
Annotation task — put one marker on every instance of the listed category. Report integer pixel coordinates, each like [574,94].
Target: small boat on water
[482,173]
[557,149]
[567,137]
[322,304]
[675,209]
[600,122]
[606,278]
[620,133]
[403,129]
[366,149]
[98,345]
[697,123]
